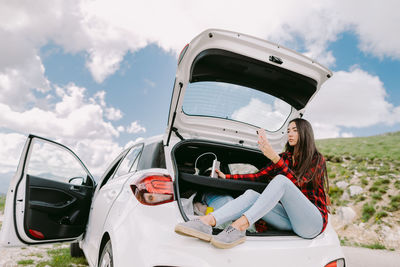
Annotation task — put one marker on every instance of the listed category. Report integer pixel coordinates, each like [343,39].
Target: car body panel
[230,131]
[157,245]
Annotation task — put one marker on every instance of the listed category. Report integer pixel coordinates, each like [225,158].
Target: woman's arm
[266,147]
[317,169]
[266,173]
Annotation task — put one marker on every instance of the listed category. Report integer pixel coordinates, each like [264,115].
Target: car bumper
[144,236]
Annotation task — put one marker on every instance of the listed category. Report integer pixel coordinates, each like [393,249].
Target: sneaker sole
[180,229]
[220,244]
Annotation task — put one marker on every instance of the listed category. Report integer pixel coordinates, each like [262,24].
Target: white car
[227,85]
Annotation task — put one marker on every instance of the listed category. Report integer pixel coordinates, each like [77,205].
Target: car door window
[54,163]
[129,163]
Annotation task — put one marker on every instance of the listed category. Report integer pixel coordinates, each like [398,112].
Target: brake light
[154,189]
[336,263]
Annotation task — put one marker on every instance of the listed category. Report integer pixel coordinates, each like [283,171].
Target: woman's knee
[281,180]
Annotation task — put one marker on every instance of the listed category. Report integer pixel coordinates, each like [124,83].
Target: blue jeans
[216,200]
[294,212]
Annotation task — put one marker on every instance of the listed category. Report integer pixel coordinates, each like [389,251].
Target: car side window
[129,163]
[109,173]
[55,163]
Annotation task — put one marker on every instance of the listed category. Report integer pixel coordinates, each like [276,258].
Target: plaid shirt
[283,166]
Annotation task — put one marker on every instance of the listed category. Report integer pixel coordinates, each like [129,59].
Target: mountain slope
[364,176]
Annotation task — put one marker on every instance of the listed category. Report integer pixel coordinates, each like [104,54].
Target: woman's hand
[266,147]
[220,174]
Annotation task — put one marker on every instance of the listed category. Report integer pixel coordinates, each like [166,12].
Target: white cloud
[18,83]
[347,135]
[108,30]
[113,114]
[350,99]
[323,129]
[11,147]
[71,118]
[256,112]
[96,153]
[376,24]
[135,127]
[74,120]
[100,96]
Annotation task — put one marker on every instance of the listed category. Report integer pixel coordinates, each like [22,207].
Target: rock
[355,190]
[345,196]
[345,214]
[342,184]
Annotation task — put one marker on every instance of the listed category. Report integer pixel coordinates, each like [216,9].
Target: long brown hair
[306,155]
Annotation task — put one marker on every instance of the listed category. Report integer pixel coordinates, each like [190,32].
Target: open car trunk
[233,160]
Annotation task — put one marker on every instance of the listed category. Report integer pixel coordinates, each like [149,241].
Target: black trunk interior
[185,154]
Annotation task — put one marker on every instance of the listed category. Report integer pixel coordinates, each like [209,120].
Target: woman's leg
[277,217]
[305,218]
[216,200]
[235,208]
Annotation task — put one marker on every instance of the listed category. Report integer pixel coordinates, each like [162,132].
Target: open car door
[49,196]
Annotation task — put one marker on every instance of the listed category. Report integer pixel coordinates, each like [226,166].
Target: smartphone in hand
[215,166]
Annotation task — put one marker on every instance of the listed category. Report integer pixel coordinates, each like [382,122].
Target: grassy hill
[2,202]
[372,163]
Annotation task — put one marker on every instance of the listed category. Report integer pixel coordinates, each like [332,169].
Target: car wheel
[106,258]
[75,250]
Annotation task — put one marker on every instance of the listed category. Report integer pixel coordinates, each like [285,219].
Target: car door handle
[75,188]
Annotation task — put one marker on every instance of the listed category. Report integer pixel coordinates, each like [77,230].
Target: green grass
[397,184]
[377,196]
[394,203]
[371,149]
[2,202]
[364,181]
[25,262]
[373,246]
[380,215]
[60,257]
[368,211]
[335,193]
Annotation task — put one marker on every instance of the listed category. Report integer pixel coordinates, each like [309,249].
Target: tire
[75,250]
[106,258]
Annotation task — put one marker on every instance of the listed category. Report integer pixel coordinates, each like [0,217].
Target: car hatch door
[49,197]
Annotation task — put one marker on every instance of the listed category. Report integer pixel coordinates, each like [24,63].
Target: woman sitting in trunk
[293,200]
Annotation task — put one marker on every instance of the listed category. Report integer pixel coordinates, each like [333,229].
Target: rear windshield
[235,102]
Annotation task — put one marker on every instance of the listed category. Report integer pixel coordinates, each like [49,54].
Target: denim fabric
[294,212]
[216,201]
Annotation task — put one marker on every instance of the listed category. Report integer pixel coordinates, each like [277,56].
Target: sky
[98,75]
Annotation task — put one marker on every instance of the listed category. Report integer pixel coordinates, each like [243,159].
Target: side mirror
[77,181]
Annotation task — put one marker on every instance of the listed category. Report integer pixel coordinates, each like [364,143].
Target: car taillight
[336,263]
[154,189]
